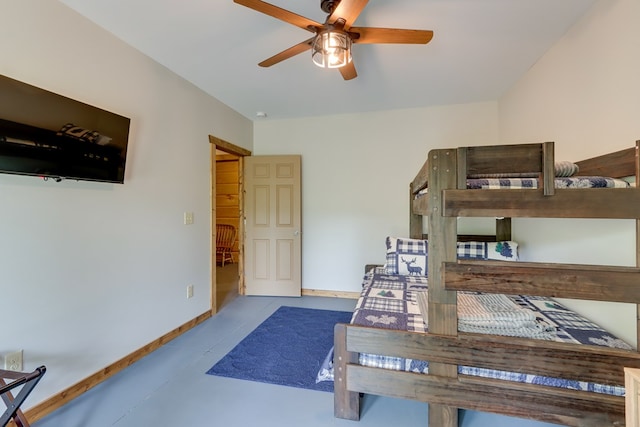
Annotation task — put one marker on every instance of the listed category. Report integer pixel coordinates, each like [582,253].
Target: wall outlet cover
[13,361]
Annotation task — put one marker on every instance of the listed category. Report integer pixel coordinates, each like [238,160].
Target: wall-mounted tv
[52,136]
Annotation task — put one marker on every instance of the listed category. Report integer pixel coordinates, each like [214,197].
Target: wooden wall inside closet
[227,193]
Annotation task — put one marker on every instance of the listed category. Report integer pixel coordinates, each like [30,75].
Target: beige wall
[91,271]
[585,92]
[356,171]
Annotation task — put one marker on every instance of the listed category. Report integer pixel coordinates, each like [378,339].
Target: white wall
[356,171]
[93,271]
[584,94]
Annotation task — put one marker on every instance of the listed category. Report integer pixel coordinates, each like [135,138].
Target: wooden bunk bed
[444,347]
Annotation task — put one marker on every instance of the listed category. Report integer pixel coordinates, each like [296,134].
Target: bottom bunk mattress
[398,302]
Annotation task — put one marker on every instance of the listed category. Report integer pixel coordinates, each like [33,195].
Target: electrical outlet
[13,361]
[190,291]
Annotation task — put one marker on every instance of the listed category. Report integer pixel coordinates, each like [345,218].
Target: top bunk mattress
[519,183]
[564,182]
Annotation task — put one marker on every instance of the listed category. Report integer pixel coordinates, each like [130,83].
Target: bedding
[568,182]
[517,183]
[410,256]
[494,314]
[393,302]
[561,169]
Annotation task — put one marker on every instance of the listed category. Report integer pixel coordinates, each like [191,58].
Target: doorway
[227,278]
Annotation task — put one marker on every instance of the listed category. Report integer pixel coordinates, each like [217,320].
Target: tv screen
[52,136]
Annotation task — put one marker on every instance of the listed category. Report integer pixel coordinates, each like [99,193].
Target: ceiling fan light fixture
[331,48]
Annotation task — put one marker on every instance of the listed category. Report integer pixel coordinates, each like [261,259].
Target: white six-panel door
[273,233]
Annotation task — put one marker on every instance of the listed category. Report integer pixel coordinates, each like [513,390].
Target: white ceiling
[479,49]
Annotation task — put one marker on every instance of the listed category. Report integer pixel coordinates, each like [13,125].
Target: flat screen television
[51,136]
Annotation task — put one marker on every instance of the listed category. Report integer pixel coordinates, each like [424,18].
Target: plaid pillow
[472,250]
[410,256]
[406,256]
[501,251]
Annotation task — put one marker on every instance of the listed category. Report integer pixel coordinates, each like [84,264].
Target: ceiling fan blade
[287,53]
[349,10]
[281,14]
[391,35]
[348,71]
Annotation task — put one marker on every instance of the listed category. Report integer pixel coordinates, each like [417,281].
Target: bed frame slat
[587,282]
[620,164]
[528,356]
[613,203]
[489,159]
[566,407]
[421,180]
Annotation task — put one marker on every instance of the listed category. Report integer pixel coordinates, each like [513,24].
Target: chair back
[225,235]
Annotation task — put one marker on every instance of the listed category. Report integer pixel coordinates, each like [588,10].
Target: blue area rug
[286,349]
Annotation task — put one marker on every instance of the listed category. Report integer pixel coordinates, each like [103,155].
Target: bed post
[346,404]
[443,313]
[503,229]
[415,221]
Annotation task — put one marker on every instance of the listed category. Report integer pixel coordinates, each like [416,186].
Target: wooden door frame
[220,144]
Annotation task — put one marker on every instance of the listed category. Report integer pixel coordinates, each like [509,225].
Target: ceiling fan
[331,44]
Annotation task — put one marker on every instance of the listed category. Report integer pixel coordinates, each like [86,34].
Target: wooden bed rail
[573,408]
[585,282]
[514,159]
[612,203]
[522,203]
[621,164]
[466,161]
[531,356]
[564,407]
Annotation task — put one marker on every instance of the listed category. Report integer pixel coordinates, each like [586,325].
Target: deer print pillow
[409,256]
[406,256]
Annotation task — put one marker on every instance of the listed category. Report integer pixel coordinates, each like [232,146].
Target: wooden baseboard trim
[331,294]
[46,407]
